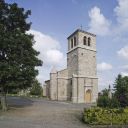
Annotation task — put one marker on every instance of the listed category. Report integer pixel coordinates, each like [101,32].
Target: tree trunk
[3,101]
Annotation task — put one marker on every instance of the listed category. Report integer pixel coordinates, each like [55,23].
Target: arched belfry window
[84,40]
[89,41]
[74,41]
[71,43]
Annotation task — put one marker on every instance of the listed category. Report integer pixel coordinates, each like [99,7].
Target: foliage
[104,100]
[106,116]
[120,96]
[36,89]
[121,90]
[18,58]
[105,92]
[114,103]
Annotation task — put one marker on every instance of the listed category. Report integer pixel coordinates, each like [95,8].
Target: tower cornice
[91,49]
[79,30]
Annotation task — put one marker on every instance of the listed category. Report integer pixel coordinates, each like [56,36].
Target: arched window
[84,40]
[71,43]
[89,41]
[74,41]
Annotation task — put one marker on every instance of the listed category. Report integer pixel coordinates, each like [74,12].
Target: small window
[84,40]
[71,43]
[89,41]
[74,41]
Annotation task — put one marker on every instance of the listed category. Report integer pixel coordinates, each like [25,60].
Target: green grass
[106,116]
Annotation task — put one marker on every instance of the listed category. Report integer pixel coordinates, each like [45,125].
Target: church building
[77,83]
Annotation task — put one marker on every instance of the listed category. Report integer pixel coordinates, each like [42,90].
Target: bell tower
[81,56]
[81,65]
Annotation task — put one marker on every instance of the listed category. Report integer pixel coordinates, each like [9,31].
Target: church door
[88,96]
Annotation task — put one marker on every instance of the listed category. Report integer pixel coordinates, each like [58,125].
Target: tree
[105,101]
[18,58]
[36,89]
[121,90]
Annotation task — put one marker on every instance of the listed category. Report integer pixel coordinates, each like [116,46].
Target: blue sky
[54,20]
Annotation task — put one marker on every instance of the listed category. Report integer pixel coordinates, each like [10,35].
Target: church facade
[78,82]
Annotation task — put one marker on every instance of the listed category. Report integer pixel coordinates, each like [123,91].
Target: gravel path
[35,113]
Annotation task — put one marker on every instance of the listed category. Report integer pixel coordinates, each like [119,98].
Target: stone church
[77,83]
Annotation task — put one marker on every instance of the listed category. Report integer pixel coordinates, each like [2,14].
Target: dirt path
[35,113]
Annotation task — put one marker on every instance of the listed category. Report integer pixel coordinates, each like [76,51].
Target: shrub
[106,116]
[104,101]
[36,89]
[114,103]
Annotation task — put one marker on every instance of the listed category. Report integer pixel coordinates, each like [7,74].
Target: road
[41,113]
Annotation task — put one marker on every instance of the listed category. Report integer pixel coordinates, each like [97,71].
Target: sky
[54,20]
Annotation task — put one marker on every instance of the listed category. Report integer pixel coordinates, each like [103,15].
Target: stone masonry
[78,83]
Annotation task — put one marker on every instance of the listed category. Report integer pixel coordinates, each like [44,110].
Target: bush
[36,89]
[104,101]
[106,116]
[114,103]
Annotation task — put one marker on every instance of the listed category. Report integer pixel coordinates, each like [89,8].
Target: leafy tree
[121,90]
[36,89]
[17,55]
[105,92]
[105,101]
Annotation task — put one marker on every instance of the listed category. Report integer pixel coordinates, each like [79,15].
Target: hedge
[106,116]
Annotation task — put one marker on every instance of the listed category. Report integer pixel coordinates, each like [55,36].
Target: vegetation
[112,109]
[121,90]
[120,95]
[17,56]
[106,102]
[36,89]
[106,116]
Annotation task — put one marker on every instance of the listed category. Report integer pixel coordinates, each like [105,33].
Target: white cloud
[98,24]
[103,82]
[104,66]
[50,53]
[122,11]
[125,67]
[123,52]
[124,73]
[49,48]
[54,56]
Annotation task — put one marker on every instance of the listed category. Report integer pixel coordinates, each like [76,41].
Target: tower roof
[53,70]
[79,30]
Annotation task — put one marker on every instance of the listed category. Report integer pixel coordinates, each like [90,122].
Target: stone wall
[47,88]
[81,85]
[93,40]
[81,74]
[62,83]
[86,62]
[53,86]
[72,62]
[62,73]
